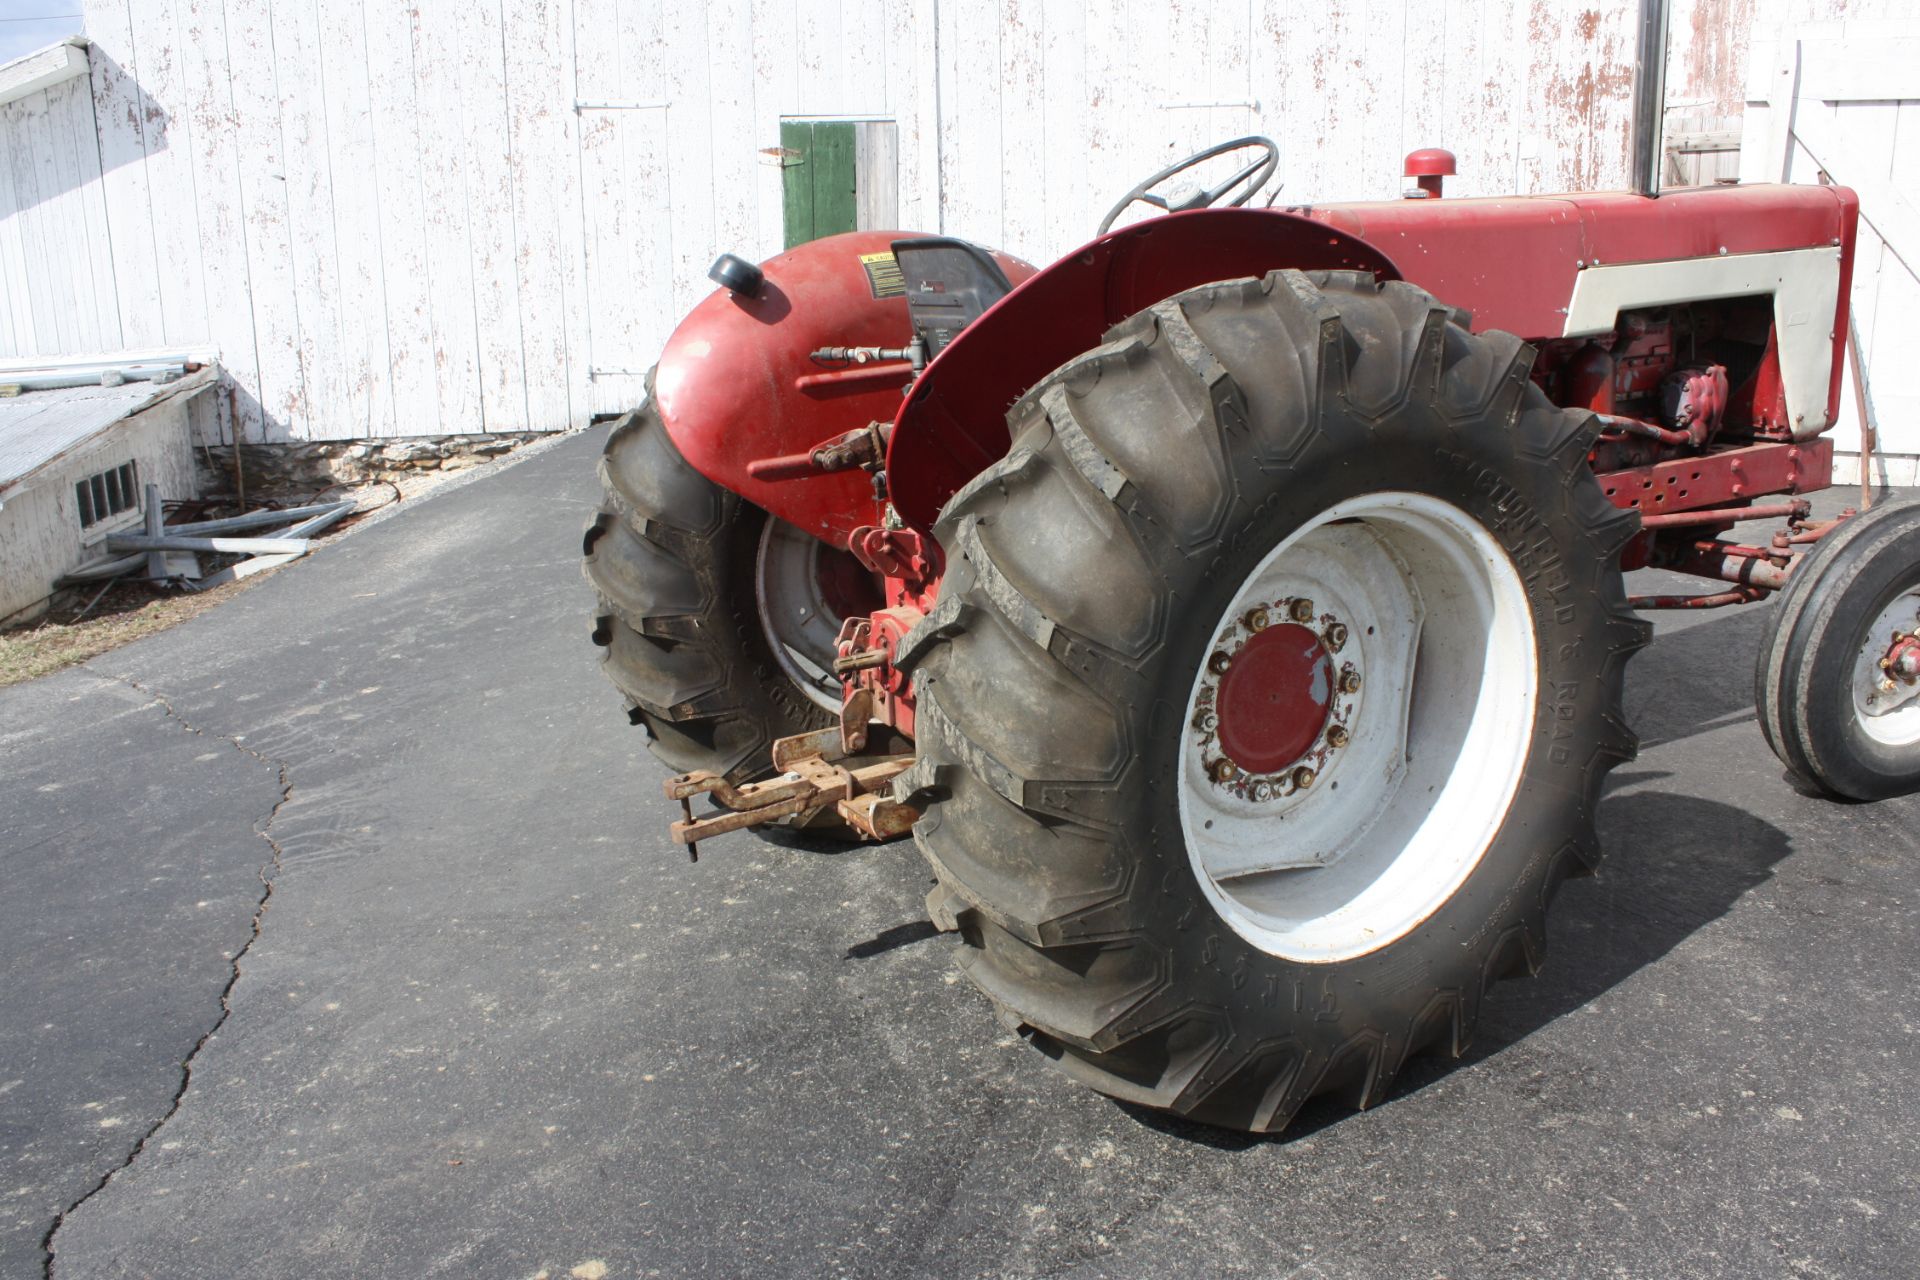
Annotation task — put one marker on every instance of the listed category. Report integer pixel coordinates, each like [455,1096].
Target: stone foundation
[295,467]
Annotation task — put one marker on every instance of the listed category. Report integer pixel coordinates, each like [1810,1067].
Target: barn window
[106,494]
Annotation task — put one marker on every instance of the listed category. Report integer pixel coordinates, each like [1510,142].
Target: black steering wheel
[1254,176]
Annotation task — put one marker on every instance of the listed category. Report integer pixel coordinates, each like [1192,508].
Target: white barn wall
[56,263]
[393,220]
[1858,99]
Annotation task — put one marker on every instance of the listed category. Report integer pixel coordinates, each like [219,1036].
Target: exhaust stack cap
[736,274]
[1428,167]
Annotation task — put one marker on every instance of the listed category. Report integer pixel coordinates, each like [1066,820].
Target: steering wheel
[1254,175]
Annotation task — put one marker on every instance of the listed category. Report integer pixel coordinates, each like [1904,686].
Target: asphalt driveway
[492,1024]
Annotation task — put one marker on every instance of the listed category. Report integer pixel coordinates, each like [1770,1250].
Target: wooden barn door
[838,175]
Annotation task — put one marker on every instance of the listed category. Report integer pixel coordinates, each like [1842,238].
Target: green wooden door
[818,178]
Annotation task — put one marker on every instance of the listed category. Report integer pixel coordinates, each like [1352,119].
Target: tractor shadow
[1697,675]
[1673,863]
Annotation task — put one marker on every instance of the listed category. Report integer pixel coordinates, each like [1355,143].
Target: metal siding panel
[774,95]
[400,165]
[689,145]
[439,101]
[207,128]
[260,147]
[970,137]
[1064,103]
[319,312]
[165,66]
[364,403]
[117,28]
[1023,212]
[103,300]
[544,164]
[735,145]
[63,251]
[491,226]
[13,269]
[911,97]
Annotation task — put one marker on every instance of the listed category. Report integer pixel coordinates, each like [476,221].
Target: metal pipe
[1863,404]
[90,376]
[226,546]
[1739,595]
[257,519]
[1721,515]
[325,520]
[1649,96]
[94,570]
[156,559]
[1710,559]
[1646,430]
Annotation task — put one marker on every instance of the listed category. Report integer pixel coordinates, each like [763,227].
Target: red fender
[735,384]
[954,424]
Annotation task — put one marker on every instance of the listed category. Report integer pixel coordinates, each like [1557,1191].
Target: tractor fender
[954,423]
[736,382]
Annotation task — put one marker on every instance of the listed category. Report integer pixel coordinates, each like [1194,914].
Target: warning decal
[883,275]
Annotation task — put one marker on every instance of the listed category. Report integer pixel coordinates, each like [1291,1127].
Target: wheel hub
[1358,726]
[805,589]
[1273,707]
[1886,685]
[1902,662]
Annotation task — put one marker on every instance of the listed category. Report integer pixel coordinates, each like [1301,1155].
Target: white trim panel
[1805,284]
[42,69]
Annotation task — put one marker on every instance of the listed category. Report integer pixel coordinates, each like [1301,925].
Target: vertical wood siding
[1856,118]
[400,219]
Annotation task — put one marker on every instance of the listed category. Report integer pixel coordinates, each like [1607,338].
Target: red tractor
[1233,610]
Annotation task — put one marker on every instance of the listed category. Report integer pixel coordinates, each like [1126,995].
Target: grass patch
[124,614]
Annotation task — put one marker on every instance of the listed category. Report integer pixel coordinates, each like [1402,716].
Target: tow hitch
[819,770]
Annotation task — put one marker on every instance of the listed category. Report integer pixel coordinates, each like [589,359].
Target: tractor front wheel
[1837,684]
[1274,676]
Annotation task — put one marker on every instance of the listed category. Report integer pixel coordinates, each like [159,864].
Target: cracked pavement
[493,1024]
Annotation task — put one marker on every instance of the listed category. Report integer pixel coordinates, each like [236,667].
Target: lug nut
[1349,681]
[1219,662]
[1303,777]
[1205,721]
[1337,636]
[1262,791]
[1256,619]
[1224,770]
[1337,736]
[1301,610]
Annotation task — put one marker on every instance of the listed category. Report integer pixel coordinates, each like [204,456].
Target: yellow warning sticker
[883,275]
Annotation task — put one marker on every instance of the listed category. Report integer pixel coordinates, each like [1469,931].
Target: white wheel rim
[1890,716]
[800,625]
[1435,689]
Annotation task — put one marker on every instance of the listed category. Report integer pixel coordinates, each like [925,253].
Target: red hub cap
[1274,698]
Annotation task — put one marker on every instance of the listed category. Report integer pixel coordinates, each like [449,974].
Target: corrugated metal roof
[37,427]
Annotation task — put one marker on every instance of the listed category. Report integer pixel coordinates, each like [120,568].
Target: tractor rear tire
[1070,766]
[1816,677]
[672,558]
